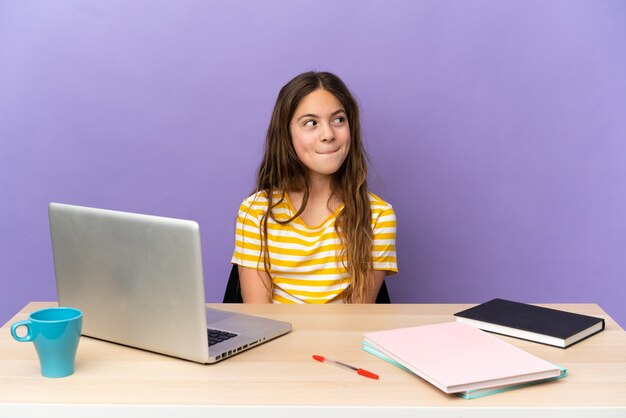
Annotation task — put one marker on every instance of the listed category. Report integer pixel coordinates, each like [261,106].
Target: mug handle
[28,337]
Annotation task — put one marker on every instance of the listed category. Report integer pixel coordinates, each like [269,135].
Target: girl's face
[320,133]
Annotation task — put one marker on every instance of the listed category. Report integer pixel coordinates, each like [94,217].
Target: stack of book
[460,359]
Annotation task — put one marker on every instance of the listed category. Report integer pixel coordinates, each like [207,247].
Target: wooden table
[280,379]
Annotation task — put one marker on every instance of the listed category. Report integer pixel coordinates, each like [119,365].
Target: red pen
[360,371]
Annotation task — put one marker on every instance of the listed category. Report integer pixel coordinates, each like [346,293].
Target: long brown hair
[282,171]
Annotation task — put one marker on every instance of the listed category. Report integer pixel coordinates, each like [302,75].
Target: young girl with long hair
[312,232]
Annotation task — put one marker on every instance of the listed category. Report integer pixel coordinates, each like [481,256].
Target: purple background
[497,130]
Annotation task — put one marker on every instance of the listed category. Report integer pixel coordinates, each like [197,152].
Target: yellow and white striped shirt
[305,261]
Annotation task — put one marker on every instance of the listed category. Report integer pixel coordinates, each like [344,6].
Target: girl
[312,233]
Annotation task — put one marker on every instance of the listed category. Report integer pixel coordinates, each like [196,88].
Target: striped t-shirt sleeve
[384,228]
[247,233]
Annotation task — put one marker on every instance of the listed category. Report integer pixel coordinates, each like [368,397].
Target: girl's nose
[327,133]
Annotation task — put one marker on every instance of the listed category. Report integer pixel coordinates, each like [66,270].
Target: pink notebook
[457,357]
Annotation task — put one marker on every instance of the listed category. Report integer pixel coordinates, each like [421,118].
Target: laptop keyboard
[217,336]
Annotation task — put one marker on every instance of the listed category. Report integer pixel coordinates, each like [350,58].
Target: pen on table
[360,371]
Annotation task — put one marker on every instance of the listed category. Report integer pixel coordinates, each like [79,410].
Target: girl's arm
[255,285]
[378,276]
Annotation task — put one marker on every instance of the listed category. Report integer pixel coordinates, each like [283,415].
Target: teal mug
[55,333]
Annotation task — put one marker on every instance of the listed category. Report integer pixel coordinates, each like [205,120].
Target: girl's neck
[320,204]
[319,187]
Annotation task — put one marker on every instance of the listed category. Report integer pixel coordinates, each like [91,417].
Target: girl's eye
[339,120]
[310,122]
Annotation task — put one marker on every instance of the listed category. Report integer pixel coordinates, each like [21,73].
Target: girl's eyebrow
[314,116]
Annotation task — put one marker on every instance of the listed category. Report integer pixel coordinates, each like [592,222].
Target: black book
[530,322]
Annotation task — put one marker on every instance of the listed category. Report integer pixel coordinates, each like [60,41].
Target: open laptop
[138,280]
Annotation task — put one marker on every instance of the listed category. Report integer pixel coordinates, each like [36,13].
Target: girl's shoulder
[383,214]
[261,197]
[255,204]
[378,204]
[258,202]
